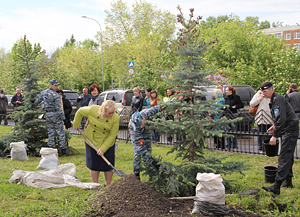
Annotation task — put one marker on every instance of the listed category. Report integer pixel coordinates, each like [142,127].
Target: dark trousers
[219,142]
[286,155]
[3,116]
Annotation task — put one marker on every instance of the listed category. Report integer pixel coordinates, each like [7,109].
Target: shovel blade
[119,172]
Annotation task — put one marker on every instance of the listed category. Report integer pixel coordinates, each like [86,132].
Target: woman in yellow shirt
[102,132]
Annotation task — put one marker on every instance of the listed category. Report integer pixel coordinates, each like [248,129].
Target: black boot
[288,183]
[274,188]
[137,176]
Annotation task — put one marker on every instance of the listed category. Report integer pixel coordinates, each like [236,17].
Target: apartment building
[291,34]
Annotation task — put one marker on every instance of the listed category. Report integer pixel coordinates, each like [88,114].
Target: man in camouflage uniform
[54,115]
[141,138]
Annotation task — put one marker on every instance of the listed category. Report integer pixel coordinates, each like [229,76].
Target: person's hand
[271,130]
[288,91]
[100,152]
[234,106]
[143,123]
[261,97]
[87,123]
[273,141]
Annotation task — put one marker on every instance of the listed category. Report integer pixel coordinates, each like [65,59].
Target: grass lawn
[20,200]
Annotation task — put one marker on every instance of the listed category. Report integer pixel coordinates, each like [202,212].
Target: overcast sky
[51,22]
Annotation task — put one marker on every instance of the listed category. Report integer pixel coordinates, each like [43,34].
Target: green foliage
[243,54]
[180,180]
[6,66]
[138,35]
[29,127]
[285,69]
[17,53]
[70,42]
[192,125]
[81,64]
[264,25]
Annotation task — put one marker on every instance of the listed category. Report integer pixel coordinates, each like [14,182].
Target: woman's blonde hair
[218,93]
[107,105]
[138,90]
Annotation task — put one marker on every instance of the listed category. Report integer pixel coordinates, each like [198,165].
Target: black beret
[266,85]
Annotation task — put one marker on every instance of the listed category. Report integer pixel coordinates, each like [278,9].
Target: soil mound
[130,197]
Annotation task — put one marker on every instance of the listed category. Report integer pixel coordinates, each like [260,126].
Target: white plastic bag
[49,159]
[18,151]
[210,188]
[210,195]
[62,176]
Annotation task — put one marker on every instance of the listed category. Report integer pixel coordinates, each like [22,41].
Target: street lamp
[101,47]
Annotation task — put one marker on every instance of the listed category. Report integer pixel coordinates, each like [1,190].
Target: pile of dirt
[130,197]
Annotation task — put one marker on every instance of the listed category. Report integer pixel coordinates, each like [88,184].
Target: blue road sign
[131,65]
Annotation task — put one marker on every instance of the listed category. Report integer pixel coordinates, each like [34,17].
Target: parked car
[122,98]
[72,96]
[246,93]
[10,107]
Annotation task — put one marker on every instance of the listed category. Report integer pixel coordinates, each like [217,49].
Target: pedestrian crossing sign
[131,65]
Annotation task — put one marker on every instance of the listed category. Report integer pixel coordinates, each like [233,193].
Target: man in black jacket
[293,97]
[286,125]
[67,108]
[3,105]
[17,99]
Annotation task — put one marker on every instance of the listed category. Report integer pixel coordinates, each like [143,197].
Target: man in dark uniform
[54,115]
[293,97]
[286,125]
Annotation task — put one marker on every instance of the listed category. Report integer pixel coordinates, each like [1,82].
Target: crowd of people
[276,115]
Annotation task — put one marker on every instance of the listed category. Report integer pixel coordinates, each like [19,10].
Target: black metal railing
[247,133]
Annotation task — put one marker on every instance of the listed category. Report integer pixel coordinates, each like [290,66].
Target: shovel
[117,172]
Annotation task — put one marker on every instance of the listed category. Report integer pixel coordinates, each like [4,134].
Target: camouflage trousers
[141,142]
[55,124]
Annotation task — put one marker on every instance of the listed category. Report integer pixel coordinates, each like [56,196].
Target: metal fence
[247,134]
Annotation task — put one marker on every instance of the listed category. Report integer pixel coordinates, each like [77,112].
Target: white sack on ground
[210,188]
[18,151]
[210,195]
[49,159]
[62,176]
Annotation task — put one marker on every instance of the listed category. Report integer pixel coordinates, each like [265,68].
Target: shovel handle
[94,147]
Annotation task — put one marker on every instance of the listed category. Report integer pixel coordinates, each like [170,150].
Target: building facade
[291,34]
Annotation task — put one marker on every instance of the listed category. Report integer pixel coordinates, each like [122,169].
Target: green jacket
[102,132]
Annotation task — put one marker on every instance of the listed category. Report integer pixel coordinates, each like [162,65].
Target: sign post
[130,71]
[131,68]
